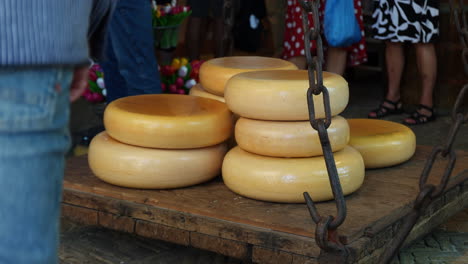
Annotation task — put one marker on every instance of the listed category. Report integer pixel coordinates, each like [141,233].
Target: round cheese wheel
[382,143]
[136,167]
[216,72]
[168,121]
[198,90]
[282,95]
[286,179]
[288,139]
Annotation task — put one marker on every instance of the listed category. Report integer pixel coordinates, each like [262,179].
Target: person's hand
[79,82]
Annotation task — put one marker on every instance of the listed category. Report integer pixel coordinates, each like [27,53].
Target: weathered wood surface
[211,217]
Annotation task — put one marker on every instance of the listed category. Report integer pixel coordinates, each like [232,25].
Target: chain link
[457,109]
[326,235]
[429,192]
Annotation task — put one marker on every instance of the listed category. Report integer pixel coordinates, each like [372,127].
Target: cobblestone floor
[440,247]
[447,244]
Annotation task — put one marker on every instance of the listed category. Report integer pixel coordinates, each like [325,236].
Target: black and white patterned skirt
[413,21]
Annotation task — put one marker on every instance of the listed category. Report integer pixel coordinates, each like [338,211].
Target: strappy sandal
[383,110]
[420,118]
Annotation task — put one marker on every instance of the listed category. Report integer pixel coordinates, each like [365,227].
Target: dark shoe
[383,110]
[419,118]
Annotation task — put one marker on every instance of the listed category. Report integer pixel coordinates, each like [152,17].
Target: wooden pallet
[211,217]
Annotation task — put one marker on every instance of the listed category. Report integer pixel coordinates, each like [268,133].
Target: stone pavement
[440,247]
[447,244]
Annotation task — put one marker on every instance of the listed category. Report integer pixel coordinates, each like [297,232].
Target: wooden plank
[213,210]
[431,219]
[215,200]
[268,256]
[186,238]
[208,226]
[80,215]
[116,222]
[369,248]
[161,232]
[303,260]
[391,218]
[222,246]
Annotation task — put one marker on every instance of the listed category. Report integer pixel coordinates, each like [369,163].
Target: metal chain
[326,235]
[430,192]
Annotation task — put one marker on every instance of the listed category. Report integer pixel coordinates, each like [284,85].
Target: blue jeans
[130,67]
[34,137]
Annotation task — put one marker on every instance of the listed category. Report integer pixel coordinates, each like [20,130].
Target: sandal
[420,118]
[383,110]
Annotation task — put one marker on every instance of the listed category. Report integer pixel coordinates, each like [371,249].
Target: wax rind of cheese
[282,95]
[286,179]
[198,90]
[216,72]
[288,139]
[146,168]
[168,121]
[382,143]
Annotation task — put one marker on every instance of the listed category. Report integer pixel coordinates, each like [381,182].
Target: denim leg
[132,43]
[115,83]
[34,115]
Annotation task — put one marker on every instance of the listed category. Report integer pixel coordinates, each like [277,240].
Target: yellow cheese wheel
[168,121]
[282,95]
[382,143]
[288,139]
[216,72]
[285,179]
[136,167]
[198,90]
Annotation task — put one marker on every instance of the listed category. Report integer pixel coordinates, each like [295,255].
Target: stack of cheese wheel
[279,155]
[215,73]
[161,141]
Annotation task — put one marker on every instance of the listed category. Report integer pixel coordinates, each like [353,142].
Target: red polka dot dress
[294,36]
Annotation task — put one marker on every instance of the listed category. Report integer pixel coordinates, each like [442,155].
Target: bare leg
[394,57]
[336,60]
[427,66]
[299,61]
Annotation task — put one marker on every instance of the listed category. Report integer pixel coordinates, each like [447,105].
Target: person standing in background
[415,22]
[276,16]
[249,25]
[130,66]
[336,58]
[44,60]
